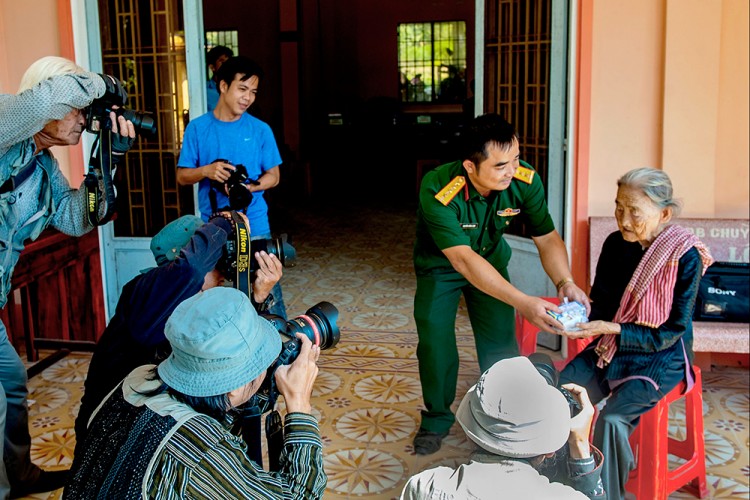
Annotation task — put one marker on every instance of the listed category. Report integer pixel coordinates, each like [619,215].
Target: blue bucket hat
[219,343]
[168,242]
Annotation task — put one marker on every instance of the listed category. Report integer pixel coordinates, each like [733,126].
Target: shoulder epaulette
[524,174]
[450,190]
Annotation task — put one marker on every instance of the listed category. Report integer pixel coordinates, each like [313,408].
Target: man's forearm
[584,475]
[483,275]
[188,176]
[554,256]
[269,179]
[25,114]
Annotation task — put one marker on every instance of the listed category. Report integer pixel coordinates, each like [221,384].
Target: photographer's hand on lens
[535,310]
[218,171]
[574,294]
[123,136]
[580,424]
[295,381]
[268,274]
[593,329]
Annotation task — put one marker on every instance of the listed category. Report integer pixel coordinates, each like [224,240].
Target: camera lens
[318,324]
[543,363]
[279,247]
[239,197]
[143,122]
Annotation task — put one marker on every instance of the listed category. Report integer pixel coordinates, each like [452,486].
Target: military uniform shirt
[470,219]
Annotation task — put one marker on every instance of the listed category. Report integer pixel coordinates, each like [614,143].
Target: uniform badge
[469,225]
[509,212]
[524,174]
[450,190]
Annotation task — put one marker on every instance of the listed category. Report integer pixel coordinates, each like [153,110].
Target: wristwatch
[264,306]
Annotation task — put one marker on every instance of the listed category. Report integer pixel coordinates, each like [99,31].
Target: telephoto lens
[318,324]
[281,248]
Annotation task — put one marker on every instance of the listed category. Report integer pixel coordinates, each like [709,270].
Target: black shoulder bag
[724,293]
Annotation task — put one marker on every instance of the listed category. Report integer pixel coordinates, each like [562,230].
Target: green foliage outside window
[432,61]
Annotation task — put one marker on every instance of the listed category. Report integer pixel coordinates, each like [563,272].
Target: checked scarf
[647,300]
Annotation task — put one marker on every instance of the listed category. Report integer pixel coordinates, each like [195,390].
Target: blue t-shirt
[212,95]
[247,141]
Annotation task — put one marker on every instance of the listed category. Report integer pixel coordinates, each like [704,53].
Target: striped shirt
[152,446]
[203,460]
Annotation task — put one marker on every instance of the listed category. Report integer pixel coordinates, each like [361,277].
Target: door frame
[525,270]
[560,173]
[122,258]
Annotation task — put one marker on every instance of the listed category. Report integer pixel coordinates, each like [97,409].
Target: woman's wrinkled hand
[593,329]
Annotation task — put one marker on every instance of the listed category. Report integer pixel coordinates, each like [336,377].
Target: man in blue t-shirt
[215,143]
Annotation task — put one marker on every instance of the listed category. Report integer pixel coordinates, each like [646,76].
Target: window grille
[432,61]
[225,38]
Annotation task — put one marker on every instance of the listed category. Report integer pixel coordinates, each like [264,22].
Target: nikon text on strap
[242,245]
[100,166]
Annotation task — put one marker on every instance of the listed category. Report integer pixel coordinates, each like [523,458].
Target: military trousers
[435,307]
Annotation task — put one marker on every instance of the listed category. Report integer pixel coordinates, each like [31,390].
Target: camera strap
[242,244]
[212,199]
[100,167]
[275,440]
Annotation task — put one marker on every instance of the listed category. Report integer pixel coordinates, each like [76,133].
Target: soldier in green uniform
[464,209]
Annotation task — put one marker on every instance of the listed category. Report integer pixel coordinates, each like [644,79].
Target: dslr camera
[318,324]
[543,364]
[239,252]
[97,114]
[239,196]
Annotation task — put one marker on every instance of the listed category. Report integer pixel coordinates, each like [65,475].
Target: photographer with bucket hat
[520,422]
[164,432]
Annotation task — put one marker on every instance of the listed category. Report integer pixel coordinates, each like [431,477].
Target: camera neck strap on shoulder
[212,198]
[242,244]
[100,167]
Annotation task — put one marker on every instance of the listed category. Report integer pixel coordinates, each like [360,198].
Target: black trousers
[620,415]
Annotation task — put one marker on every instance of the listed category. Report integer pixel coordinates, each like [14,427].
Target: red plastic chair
[526,334]
[651,444]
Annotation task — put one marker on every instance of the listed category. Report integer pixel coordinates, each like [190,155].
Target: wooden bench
[57,299]
[719,343]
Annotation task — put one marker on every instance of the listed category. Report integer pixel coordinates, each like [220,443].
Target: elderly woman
[642,303]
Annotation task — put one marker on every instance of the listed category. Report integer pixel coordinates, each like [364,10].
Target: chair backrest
[727,239]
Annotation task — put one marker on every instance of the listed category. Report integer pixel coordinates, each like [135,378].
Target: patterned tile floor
[367,395]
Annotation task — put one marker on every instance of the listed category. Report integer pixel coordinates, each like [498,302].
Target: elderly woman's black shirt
[643,350]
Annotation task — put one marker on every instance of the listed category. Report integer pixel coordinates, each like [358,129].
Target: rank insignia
[450,190]
[524,174]
[509,212]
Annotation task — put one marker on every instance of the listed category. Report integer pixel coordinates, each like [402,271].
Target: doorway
[142,44]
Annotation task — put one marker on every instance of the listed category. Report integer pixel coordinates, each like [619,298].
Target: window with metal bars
[225,38]
[432,62]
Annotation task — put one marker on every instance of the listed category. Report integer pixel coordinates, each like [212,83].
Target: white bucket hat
[512,411]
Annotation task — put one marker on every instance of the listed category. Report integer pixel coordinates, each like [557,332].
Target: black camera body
[238,194]
[97,115]
[543,363]
[318,324]
[230,261]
